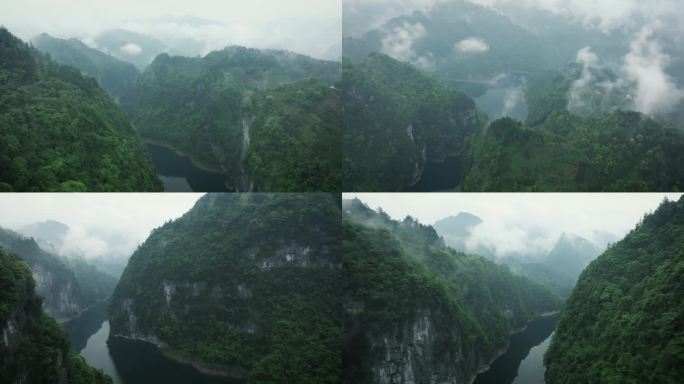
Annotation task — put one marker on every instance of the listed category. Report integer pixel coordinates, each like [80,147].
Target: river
[179,174]
[523,362]
[440,176]
[129,361]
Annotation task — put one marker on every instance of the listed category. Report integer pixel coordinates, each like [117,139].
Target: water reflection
[440,177]
[180,174]
[507,367]
[129,361]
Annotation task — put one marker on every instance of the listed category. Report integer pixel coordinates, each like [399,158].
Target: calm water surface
[129,361]
[440,177]
[523,362]
[180,174]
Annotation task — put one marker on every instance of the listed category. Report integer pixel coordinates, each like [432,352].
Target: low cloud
[399,44]
[472,45]
[589,60]
[131,49]
[645,64]
[512,98]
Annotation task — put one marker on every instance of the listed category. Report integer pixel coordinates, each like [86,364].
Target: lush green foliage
[59,131]
[247,282]
[395,119]
[598,92]
[396,270]
[118,78]
[542,274]
[82,282]
[201,105]
[295,139]
[622,151]
[624,322]
[36,348]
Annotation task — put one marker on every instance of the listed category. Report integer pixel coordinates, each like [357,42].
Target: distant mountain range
[557,269]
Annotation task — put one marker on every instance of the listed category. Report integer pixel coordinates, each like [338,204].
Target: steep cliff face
[34,349]
[247,284]
[258,116]
[396,119]
[67,287]
[624,321]
[419,312]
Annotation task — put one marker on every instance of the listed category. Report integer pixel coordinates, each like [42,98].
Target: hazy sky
[523,222]
[605,14]
[130,215]
[311,27]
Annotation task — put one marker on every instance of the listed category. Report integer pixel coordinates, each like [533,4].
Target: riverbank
[197,163]
[501,352]
[62,321]
[205,368]
[201,366]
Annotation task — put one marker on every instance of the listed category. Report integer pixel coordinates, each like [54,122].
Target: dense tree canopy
[264,273]
[624,322]
[74,281]
[59,131]
[117,77]
[399,270]
[205,107]
[621,151]
[395,119]
[35,348]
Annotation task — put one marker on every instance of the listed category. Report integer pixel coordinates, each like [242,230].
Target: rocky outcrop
[233,280]
[411,354]
[61,296]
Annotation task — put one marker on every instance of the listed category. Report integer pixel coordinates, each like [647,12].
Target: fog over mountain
[98,227]
[188,28]
[651,31]
[524,224]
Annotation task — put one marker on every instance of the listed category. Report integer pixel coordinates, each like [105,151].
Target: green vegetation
[395,119]
[201,106]
[621,151]
[400,275]
[69,286]
[624,322]
[296,139]
[118,78]
[249,283]
[59,131]
[35,347]
[551,91]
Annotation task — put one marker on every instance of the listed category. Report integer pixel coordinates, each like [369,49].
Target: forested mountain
[67,286]
[624,321]
[35,349]
[132,47]
[396,118]
[571,255]
[49,234]
[244,284]
[241,110]
[621,151]
[59,131]
[417,311]
[600,93]
[118,78]
[546,268]
[572,82]
[541,273]
[456,229]
[459,40]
